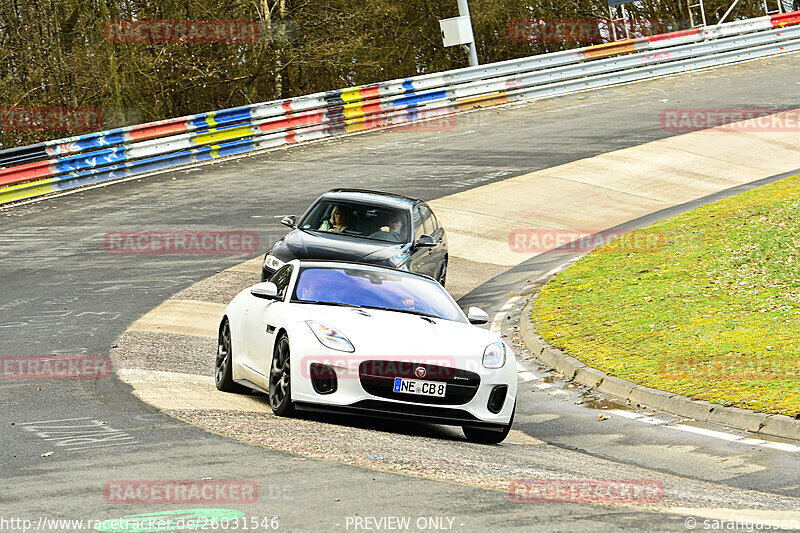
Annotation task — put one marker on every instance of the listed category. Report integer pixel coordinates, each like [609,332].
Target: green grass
[706,304]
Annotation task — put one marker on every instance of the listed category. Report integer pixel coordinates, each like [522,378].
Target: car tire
[486,436]
[280,386]
[442,273]
[223,365]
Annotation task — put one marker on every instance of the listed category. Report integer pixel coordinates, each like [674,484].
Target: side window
[281,279]
[418,226]
[428,220]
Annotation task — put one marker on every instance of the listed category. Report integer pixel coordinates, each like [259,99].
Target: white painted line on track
[495,325]
[754,442]
[781,446]
[498,317]
[708,432]
[102,446]
[524,374]
[558,269]
[637,416]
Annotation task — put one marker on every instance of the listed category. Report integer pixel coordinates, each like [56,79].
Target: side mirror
[426,241]
[290,220]
[476,315]
[266,290]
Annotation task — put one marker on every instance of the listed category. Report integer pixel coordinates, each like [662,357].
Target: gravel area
[166,352]
[440,453]
[219,288]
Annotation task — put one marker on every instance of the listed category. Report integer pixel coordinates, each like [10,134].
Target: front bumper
[357,394]
[398,411]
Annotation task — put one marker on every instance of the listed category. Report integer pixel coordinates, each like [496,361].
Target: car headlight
[272,262]
[494,356]
[330,337]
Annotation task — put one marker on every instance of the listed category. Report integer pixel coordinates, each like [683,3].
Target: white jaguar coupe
[367,340]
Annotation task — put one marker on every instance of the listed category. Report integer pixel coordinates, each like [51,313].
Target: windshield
[375,289]
[358,220]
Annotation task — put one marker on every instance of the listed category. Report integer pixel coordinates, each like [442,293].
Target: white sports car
[369,340]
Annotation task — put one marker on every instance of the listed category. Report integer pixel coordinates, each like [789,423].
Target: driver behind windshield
[340,220]
[392,230]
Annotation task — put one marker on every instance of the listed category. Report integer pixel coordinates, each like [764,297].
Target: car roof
[334,263]
[371,197]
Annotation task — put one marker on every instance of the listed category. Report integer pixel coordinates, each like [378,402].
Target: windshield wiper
[358,236]
[320,302]
[408,311]
[373,239]
[340,304]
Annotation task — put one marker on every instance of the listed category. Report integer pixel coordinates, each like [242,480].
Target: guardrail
[64,164]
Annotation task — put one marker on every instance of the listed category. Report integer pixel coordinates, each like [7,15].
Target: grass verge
[706,304]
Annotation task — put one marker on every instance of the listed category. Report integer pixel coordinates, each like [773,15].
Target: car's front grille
[378,376]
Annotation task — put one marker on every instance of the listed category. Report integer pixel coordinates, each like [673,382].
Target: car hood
[299,244]
[389,333]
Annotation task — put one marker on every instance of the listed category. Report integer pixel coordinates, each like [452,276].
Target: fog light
[323,379]
[497,398]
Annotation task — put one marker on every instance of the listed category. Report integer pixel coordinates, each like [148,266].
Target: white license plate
[422,388]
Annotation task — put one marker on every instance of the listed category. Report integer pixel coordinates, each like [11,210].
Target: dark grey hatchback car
[365,227]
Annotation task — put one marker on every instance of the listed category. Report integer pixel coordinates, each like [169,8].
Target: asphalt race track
[64,294]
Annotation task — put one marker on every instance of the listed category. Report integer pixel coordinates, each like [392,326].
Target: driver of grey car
[393,227]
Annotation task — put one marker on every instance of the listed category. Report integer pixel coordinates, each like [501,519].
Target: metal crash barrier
[64,164]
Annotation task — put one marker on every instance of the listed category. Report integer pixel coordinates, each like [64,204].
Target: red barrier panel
[29,172]
[673,35]
[785,19]
[158,129]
